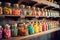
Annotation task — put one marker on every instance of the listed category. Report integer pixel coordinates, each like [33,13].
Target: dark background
[16,1]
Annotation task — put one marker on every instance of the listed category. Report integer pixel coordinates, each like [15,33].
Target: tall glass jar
[7,31]
[40,26]
[1,8]
[30,29]
[36,27]
[14,30]
[48,13]
[22,10]
[7,9]
[33,11]
[43,12]
[28,11]
[1,30]
[16,10]
[38,12]
[20,29]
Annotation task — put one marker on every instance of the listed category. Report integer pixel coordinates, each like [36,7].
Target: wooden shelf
[39,2]
[34,35]
[47,3]
[28,16]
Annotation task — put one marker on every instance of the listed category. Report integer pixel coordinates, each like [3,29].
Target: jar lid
[23,6]
[34,8]
[7,25]
[16,5]
[42,9]
[15,24]
[29,7]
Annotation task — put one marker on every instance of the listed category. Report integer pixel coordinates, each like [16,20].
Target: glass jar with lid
[1,30]
[40,26]
[30,29]
[22,29]
[43,12]
[28,11]
[16,10]
[36,27]
[7,9]
[7,31]
[38,12]
[1,8]
[22,10]
[33,11]
[14,29]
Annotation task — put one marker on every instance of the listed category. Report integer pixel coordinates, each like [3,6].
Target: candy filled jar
[14,30]
[33,11]
[1,31]
[22,10]
[7,31]
[7,9]
[38,12]
[43,12]
[30,29]
[1,8]
[28,11]
[40,26]
[44,25]
[22,30]
[16,10]
[36,27]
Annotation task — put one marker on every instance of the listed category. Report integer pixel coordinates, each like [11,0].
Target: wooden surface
[47,3]
[34,35]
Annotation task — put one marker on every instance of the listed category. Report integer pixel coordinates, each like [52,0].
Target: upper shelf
[39,2]
[47,3]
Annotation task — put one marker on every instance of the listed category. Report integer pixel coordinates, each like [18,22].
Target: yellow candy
[7,10]
[36,28]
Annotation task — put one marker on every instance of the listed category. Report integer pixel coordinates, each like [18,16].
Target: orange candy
[16,12]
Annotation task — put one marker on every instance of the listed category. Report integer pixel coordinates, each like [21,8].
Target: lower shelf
[34,35]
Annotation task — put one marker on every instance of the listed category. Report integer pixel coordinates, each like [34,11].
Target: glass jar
[36,27]
[48,13]
[16,10]
[30,29]
[1,30]
[44,25]
[22,10]
[40,26]
[33,11]
[14,30]
[28,11]
[7,31]
[1,8]
[7,9]
[22,29]
[49,26]
[38,12]
[43,12]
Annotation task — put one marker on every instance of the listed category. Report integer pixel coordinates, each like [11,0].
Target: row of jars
[28,28]
[26,10]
